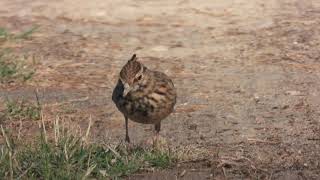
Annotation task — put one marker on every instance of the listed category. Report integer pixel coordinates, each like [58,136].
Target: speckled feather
[153,101]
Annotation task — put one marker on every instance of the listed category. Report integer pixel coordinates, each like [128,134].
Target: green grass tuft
[22,110]
[3,33]
[7,70]
[69,157]
[159,159]
[6,35]
[26,34]
[12,69]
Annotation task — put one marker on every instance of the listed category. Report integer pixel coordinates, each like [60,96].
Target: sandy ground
[247,74]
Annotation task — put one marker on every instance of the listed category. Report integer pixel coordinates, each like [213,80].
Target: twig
[37,98]
[224,172]
[71,101]
[270,177]
[56,130]
[25,172]
[20,128]
[194,160]
[224,162]
[44,128]
[5,137]
[262,141]
[10,151]
[114,151]
[183,173]
[88,129]
[89,170]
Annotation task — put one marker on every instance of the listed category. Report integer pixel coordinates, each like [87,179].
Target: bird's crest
[131,68]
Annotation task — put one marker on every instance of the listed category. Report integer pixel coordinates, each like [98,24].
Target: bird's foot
[128,145]
[157,142]
[127,139]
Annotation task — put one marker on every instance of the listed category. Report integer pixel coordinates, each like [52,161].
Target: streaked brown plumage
[142,95]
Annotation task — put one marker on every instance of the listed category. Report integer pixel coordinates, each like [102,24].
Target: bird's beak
[127,89]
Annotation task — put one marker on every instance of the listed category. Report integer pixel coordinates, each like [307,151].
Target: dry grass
[69,155]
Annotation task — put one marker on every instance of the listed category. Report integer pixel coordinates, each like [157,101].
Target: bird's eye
[137,78]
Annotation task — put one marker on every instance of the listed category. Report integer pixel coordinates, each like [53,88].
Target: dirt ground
[247,74]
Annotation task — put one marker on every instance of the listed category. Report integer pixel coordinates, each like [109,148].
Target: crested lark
[143,95]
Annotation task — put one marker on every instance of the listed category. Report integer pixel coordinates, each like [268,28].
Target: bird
[143,95]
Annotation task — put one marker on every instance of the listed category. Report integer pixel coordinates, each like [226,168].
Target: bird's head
[132,75]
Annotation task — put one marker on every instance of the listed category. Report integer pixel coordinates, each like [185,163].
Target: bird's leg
[127,134]
[157,127]
[156,141]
